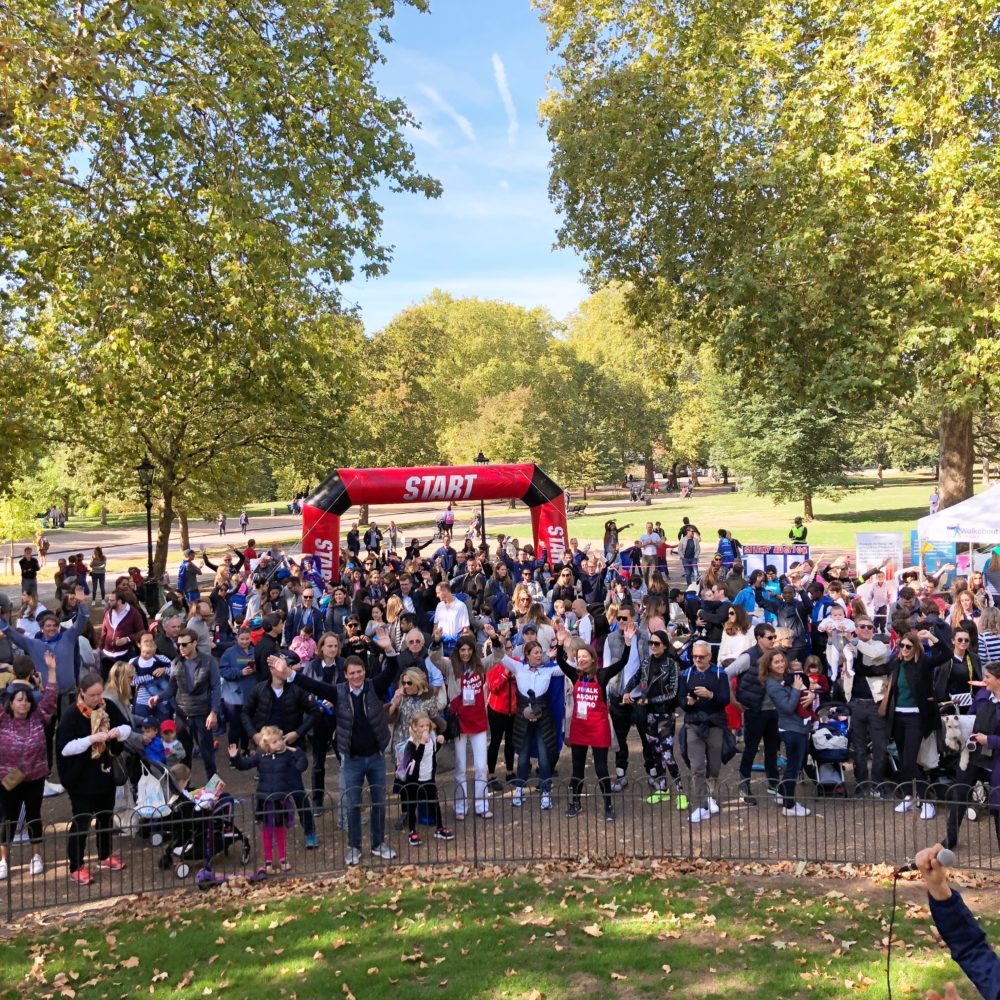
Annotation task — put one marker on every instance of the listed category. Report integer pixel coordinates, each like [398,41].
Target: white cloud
[423,135]
[500,73]
[463,123]
[504,185]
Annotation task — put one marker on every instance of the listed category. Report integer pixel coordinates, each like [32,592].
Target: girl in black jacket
[279,778]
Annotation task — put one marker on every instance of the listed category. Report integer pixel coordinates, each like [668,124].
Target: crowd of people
[507,655]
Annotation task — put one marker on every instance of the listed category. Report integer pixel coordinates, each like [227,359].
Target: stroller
[828,748]
[199,832]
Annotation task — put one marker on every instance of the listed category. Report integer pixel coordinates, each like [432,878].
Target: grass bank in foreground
[534,934]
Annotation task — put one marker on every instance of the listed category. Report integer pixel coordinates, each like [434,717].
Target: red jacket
[128,628]
[503,690]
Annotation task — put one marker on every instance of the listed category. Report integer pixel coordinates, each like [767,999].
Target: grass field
[893,507]
[532,935]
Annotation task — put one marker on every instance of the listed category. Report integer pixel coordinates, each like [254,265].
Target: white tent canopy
[974,520]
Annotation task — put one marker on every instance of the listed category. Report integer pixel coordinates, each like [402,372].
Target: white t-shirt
[649,543]
[451,617]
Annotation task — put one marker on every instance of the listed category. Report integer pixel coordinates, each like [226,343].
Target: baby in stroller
[197,831]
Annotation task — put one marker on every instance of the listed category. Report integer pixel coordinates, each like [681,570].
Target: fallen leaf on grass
[619,976]
[130,963]
[593,930]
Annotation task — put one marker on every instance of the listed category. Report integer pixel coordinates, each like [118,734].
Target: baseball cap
[169,726]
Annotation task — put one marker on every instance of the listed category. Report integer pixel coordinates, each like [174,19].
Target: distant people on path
[798,532]
[221,520]
[244,522]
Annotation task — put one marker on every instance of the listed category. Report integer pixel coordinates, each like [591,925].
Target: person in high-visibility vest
[799,532]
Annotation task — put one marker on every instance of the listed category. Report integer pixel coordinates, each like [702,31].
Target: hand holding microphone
[932,863]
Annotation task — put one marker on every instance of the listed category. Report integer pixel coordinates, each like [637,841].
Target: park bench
[576,509]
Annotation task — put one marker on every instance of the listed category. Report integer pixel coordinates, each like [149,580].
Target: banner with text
[780,556]
[879,549]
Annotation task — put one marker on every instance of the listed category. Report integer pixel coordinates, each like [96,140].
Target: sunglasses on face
[964,642]
[906,645]
[656,645]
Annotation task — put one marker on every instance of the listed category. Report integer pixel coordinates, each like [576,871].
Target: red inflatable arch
[345,487]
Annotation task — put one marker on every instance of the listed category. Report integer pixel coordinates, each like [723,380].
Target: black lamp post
[481,459]
[145,472]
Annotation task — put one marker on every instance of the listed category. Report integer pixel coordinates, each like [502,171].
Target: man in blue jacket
[62,642]
[963,936]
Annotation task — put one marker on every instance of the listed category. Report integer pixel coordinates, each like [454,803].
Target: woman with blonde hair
[119,687]
[521,601]
[965,609]
[393,609]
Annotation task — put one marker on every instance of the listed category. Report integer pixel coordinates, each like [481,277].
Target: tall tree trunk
[725,475]
[649,471]
[957,456]
[986,472]
[673,475]
[164,525]
[807,507]
[693,474]
[185,532]
[363,514]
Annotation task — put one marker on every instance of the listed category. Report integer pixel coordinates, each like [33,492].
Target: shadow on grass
[500,938]
[874,516]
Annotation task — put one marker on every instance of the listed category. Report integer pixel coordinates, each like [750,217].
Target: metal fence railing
[169,854]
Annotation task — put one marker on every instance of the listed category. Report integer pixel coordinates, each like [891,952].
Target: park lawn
[497,934]
[893,507]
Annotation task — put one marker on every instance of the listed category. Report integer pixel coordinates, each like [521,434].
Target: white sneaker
[36,865]
[3,870]
[906,805]
[928,810]
[352,857]
[713,806]
[796,810]
[53,788]
[546,801]
[699,815]
[518,800]
[384,851]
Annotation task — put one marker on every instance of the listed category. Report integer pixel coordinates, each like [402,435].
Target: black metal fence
[167,854]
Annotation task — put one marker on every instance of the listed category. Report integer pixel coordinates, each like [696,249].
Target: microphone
[944,857]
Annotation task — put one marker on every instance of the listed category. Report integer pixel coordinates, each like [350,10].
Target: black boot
[745,792]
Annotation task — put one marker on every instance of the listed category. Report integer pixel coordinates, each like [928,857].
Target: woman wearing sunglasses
[963,673]
[911,709]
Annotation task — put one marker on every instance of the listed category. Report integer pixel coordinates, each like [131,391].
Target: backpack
[750,692]
[788,617]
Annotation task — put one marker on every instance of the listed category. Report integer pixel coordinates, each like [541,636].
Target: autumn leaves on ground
[547,931]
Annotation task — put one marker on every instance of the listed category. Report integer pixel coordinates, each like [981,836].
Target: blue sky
[473,73]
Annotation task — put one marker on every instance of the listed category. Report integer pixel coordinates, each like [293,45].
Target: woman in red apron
[589,725]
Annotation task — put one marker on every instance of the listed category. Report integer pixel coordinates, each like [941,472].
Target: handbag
[451,729]
[12,779]
[119,772]
[883,707]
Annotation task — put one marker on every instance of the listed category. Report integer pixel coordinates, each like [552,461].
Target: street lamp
[145,472]
[481,459]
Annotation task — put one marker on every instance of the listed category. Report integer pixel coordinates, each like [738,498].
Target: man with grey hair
[703,696]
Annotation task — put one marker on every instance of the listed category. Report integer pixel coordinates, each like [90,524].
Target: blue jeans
[358,770]
[524,758]
[795,756]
